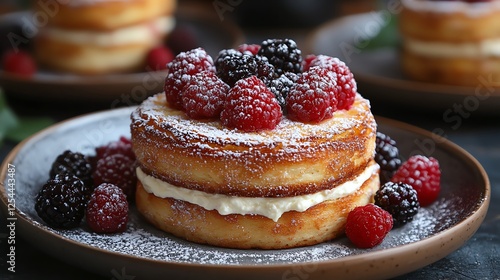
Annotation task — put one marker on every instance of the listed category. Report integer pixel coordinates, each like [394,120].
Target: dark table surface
[478,134]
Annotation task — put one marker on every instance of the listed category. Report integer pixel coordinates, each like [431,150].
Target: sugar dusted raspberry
[347,87]
[306,63]
[313,98]
[367,225]
[252,49]
[204,96]
[119,170]
[107,210]
[122,146]
[20,63]
[159,57]
[251,106]
[181,69]
[423,174]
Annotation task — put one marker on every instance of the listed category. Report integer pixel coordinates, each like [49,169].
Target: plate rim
[476,217]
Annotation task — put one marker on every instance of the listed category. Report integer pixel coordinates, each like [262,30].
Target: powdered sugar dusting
[289,135]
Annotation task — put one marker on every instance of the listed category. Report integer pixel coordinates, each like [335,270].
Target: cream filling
[269,207]
[145,32]
[482,48]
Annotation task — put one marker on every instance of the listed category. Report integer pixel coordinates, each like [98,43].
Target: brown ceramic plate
[146,252]
[212,35]
[378,72]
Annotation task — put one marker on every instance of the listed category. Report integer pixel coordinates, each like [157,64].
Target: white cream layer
[140,33]
[478,49]
[269,207]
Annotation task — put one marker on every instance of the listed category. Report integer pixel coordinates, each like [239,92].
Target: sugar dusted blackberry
[387,156]
[74,163]
[61,202]
[283,54]
[400,200]
[281,87]
[232,66]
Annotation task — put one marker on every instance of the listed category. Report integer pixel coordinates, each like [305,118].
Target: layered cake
[96,37]
[451,42]
[255,150]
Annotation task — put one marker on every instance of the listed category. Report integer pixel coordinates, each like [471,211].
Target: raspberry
[400,200]
[159,57]
[312,99]
[250,106]
[306,63]
[252,49]
[119,170]
[76,164]
[181,69]
[61,202]
[283,54]
[423,174]
[346,84]
[122,146]
[233,66]
[387,156]
[204,96]
[20,63]
[281,87]
[107,211]
[367,225]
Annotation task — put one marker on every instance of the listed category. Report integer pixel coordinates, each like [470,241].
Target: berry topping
[73,163]
[251,106]
[281,86]
[233,65]
[181,69]
[204,96]
[122,146]
[283,54]
[367,225]
[159,57]
[387,156]
[423,174]
[61,203]
[119,170]
[313,98]
[107,210]
[400,200]
[346,84]
[20,63]
[252,49]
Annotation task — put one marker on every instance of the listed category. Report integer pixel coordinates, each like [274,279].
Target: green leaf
[26,127]
[8,121]
[388,36]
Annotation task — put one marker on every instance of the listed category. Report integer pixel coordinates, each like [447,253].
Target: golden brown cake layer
[453,70]
[107,15]
[293,159]
[194,223]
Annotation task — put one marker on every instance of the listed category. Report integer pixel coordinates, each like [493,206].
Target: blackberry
[73,163]
[232,66]
[281,87]
[283,54]
[387,156]
[61,203]
[400,200]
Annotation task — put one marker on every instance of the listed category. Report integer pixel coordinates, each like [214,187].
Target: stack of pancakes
[451,42]
[287,187]
[105,36]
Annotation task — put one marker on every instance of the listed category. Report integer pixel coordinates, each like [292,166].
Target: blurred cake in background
[103,36]
[451,42]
